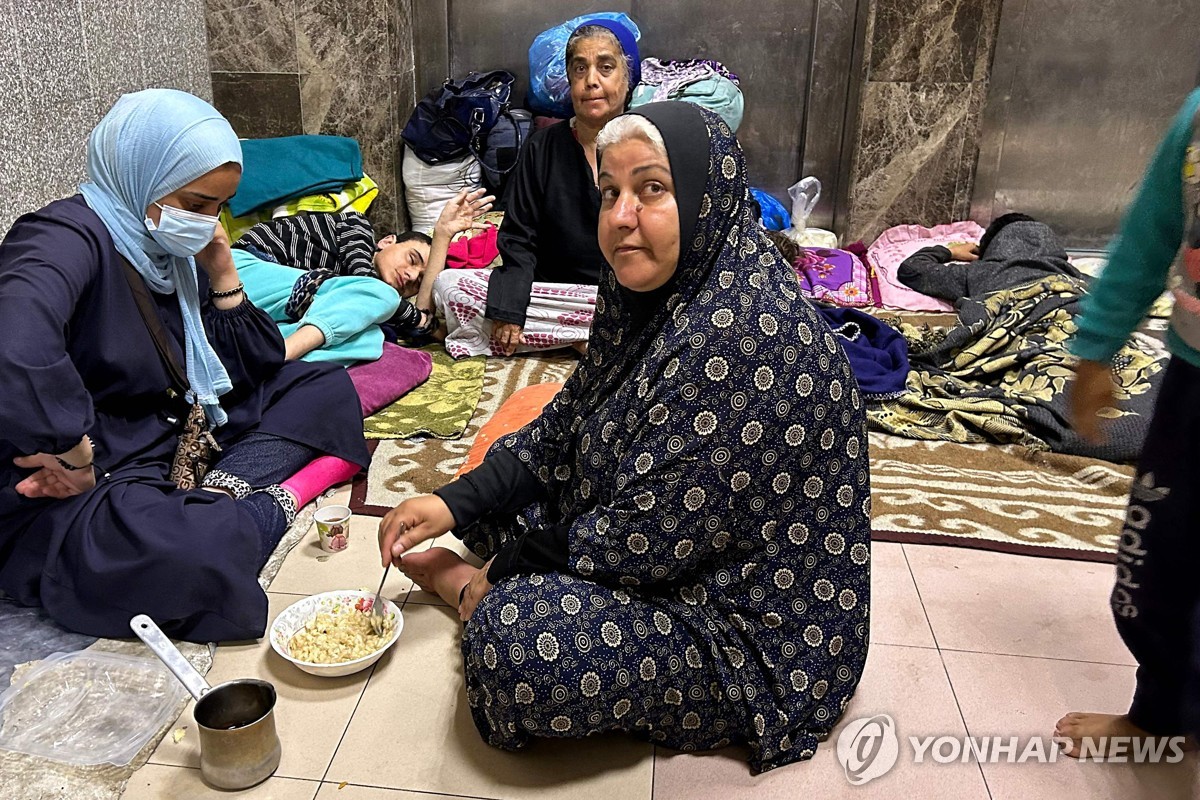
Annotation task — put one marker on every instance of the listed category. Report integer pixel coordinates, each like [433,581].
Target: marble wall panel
[365,108]
[349,72]
[16,166]
[907,167]
[60,159]
[401,29]
[13,82]
[345,37]
[969,163]
[62,65]
[259,105]
[55,65]
[930,41]
[252,35]
[169,51]
[198,68]
[926,70]
[110,36]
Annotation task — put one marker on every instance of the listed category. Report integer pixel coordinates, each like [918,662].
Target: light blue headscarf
[150,144]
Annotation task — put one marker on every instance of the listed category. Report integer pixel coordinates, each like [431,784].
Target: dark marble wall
[62,65]
[339,67]
[925,74]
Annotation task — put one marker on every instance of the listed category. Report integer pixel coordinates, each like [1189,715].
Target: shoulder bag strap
[149,312]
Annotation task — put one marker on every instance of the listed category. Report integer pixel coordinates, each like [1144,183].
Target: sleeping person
[329,286]
[1015,249]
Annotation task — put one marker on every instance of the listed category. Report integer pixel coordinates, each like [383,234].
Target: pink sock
[319,475]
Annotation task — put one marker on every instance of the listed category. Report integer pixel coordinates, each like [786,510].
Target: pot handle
[158,642]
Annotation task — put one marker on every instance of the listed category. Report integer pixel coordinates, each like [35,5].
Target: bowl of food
[330,634]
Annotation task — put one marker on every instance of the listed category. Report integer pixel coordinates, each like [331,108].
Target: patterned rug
[441,406]
[402,468]
[1006,499]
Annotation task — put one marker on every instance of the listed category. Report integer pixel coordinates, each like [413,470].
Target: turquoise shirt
[1140,258]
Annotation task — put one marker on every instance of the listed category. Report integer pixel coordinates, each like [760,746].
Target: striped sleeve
[306,241]
[355,243]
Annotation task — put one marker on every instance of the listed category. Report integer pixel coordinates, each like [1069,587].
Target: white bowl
[298,614]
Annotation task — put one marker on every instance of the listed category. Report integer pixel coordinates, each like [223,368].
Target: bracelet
[241,287]
[69,466]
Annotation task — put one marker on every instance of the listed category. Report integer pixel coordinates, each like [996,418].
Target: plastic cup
[333,528]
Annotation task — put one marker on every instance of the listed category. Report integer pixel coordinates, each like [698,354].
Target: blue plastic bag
[774,216]
[549,90]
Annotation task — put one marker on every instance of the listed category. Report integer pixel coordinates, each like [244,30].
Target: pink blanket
[898,243]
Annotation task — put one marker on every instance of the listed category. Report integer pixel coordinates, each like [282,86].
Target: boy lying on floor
[329,286]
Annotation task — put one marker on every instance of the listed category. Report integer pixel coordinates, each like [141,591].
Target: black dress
[549,229]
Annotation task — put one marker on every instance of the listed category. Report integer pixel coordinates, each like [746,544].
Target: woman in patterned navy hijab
[679,546]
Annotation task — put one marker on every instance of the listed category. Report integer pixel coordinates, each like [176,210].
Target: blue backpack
[454,119]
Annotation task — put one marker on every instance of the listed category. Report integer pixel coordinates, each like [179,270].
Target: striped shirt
[342,243]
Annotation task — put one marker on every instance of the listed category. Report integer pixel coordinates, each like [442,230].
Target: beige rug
[26,777]
[1006,499]
[402,468]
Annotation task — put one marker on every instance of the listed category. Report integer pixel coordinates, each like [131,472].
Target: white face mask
[182,233]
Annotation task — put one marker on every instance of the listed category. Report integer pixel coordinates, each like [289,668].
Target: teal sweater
[1140,258]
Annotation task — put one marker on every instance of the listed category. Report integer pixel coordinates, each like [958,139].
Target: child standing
[1156,599]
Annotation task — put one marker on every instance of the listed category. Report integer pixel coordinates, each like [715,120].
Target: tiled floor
[965,643]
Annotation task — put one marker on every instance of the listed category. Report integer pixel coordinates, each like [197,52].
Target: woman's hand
[459,214]
[506,336]
[475,592]
[1091,391]
[410,523]
[52,479]
[216,259]
[964,252]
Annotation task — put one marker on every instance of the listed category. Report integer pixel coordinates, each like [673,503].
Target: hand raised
[459,214]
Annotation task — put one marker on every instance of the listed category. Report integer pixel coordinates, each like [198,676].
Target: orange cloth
[519,410]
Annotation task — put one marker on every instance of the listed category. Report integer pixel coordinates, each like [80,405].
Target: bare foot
[1102,729]
[580,347]
[438,571]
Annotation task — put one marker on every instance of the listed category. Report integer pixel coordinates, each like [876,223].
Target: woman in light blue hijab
[92,526]
[162,162]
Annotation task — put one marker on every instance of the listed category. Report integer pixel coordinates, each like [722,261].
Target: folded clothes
[281,169]
[356,196]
